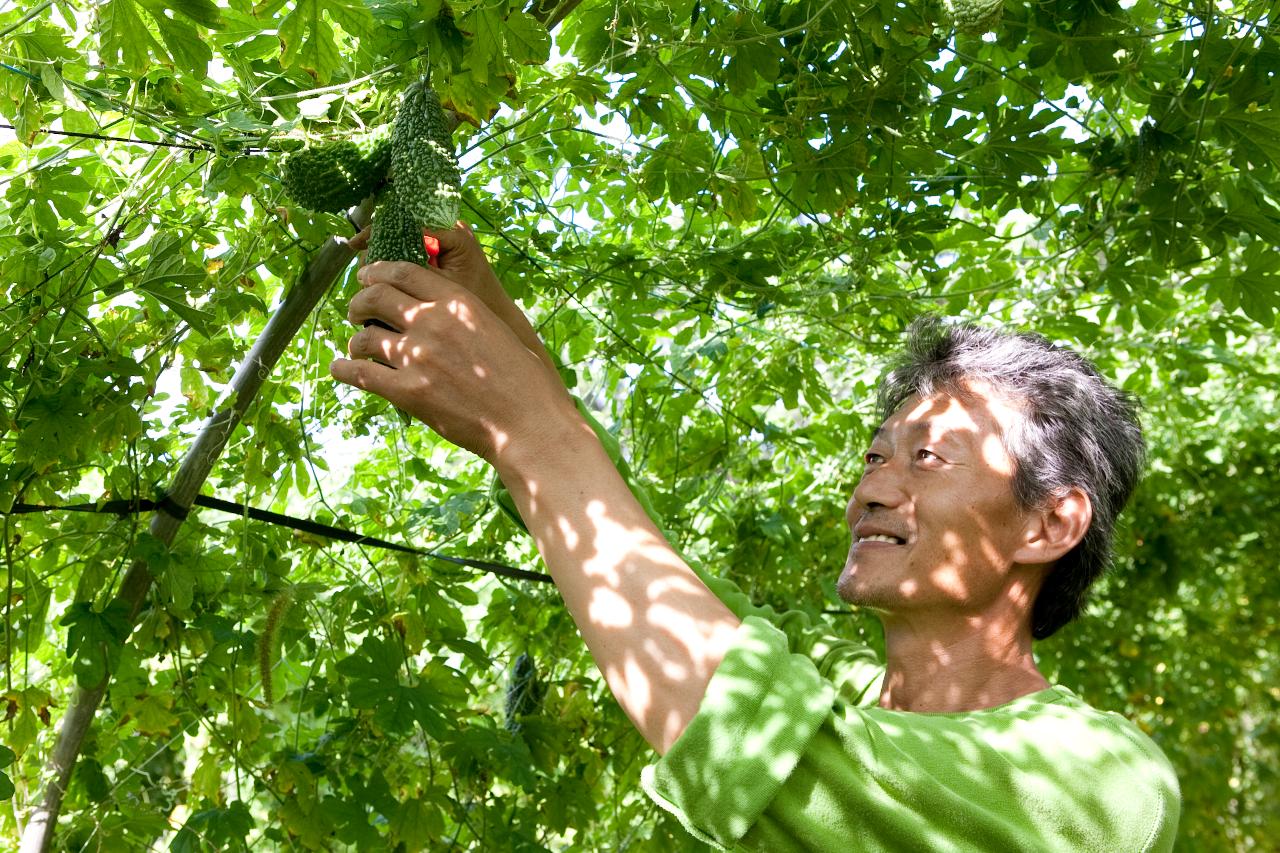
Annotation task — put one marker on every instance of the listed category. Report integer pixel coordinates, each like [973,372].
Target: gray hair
[1077,430]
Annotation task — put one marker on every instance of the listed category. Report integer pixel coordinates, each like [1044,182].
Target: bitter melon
[266,642]
[1146,165]
[425,180]
[411,165]
[423,166]
[395,235]
[524,692]
[976,17]
[334,176]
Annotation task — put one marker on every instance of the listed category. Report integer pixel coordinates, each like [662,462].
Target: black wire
[132,506]
[158,144]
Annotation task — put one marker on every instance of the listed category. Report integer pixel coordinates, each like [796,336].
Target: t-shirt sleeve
[853,669]
[775,761]
[744,743]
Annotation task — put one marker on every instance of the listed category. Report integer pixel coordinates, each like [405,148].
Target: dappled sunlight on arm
[609,610]
[654,629]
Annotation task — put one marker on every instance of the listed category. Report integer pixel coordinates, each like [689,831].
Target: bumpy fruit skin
[375,149]
[1146,166]
[976,17]
[332,177]
[395,235]
[423,166]
[524,693]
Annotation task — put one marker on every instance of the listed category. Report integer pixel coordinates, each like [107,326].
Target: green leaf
[484,24]
[167,272]
[6,784]
[374,674]
[213,829]
[184,43]
[527,40]
[1258,286]
[124,36]
[95,639]
[417,823]
[1256,133]
[203,12]
[308,40]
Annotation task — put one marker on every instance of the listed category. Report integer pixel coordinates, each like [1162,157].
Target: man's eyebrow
[926,427]
[917,427]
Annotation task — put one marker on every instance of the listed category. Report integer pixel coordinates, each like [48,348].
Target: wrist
[558,434]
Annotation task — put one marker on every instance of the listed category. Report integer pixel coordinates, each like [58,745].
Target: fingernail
[362,274]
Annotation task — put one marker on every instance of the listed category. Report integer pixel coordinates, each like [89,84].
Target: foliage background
[722,216]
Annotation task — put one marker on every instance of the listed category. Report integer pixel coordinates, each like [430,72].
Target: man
[984,512]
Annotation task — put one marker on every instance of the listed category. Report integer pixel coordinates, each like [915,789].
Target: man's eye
[870,458]
[928,455]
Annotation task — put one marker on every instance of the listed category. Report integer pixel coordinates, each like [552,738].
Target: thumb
[457,245]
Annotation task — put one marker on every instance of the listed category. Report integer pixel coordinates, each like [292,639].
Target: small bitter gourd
[524,692]
[395,235]
[976,17]
[411,165]
[334,176]
[1146,165]
[266,642]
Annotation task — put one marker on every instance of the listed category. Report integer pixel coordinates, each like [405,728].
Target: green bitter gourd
[411,165]
[976,17]
[524,692]
[333,176]
[395,235]
[266,642]
[425,180]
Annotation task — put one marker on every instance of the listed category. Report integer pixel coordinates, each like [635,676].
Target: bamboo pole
[311,286]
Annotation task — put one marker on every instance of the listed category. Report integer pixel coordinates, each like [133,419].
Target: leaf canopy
[722,216]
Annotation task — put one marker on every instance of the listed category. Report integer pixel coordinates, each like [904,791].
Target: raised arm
[465,364]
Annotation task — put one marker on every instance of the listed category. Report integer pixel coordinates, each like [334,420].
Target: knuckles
[371,301]
[361,344]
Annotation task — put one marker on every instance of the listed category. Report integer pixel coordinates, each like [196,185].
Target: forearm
[451,349]
[655,630]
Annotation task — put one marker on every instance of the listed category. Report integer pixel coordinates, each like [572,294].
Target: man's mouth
[881,537]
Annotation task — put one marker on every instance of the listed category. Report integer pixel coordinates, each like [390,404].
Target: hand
[449,361]
[462,259]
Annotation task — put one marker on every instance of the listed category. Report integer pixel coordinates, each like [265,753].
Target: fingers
[382,305]
[360,242]
[365,375]
[458,239]
[373,342]
[418,282]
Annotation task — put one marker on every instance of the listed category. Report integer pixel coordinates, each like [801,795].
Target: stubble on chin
[854,589]
[849,587]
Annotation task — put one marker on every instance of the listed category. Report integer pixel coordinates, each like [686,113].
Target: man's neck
[960,666]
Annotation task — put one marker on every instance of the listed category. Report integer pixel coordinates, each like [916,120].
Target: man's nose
[881,486]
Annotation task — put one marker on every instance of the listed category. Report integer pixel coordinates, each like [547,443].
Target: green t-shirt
[789,752]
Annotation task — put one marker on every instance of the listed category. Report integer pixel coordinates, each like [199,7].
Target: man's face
[933,518]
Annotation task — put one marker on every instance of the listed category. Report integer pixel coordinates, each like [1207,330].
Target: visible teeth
[892,540]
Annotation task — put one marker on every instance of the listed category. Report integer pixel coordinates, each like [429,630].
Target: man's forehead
[969,416]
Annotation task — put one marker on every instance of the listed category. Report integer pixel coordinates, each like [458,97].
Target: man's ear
[1054,530]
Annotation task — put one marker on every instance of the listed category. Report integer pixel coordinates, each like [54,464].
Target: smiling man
[984,512]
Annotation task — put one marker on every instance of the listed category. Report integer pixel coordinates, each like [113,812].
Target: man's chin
[848,587]
[852,590]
